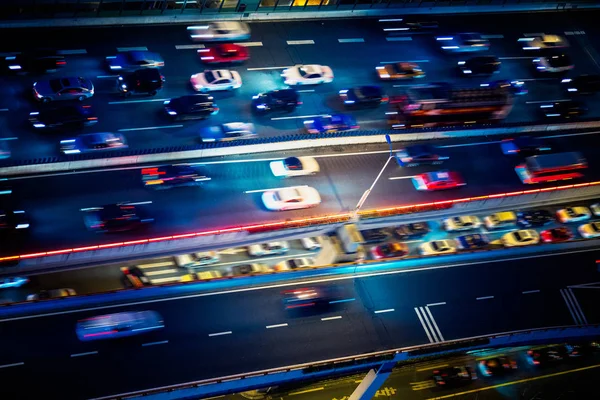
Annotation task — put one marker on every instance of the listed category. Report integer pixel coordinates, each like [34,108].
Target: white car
[295,263]
[219,31]
[267,249]
[445,246]
[307,74]
[462,223]
[544,42]
[595,209]
[591,230]
[522,237]
[216,79]
[294,166]
[573,214]
[197,259]
[311,243]
[291,198]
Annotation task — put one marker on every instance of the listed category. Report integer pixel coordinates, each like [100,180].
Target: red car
[438,180]
[224,53]
[389,250]
[557,235]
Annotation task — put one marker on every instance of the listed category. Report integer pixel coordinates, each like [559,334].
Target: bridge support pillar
[372,382]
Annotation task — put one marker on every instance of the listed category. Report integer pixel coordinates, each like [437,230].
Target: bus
[551,167]
[441,104]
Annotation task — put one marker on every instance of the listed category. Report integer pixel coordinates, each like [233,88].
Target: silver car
[219,31]
[70,88]
[89,142]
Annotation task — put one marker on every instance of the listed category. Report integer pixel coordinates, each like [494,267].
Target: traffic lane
[587,297]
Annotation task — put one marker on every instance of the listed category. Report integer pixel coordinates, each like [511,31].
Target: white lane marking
[305,90]
[296,42]
[351,40]
[10,138]
[259,190]
[492,36]
[72,52]
[296,117]
[135,101]
[262,259]
[435,325]
[12,365]
[441,303]
[391,20]
[396,29]
[267,68]
[571,307]
[547,101]
[331,318]
[154,343]
[425,328]
[407,85]
[387,310]
[89,353]
[189,46]
[140,203]
[535,79]
[220,333]
[530,291]
[276,326]
[399,39]
[470,144]
[569,293]
[288,284]
[250,44]
[485,298]
[3,109]
[395,178]
[106,77]
[341,301]
[122,49]
[150,128]
[570,134]
[515,58]
[408,61]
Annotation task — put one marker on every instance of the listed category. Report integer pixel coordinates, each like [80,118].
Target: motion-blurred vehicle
[69,88]
[331,124]
[556,235]
[582,84]
[389,250]
[248,269]
[67,117]
[463,43]
[215,80]
[276,100]
[439,180]
[453,376]
[524,146]
[522,237]
[134,60]
[517,88]
[472,242]
[224,53]
[483,65]
[291,198]
[4,149]
[496,366]
[312,74]
[415,155]
[400,70]
[118,217]
[194,106]
[534,218]
[199,259]
[228,131]
[589,231]
[546,355]
[461,223]
[363,96]
[438,247]
[316,296]
[551,167]
[219,31]
[92,142]
[36,61]
[411,231]
[11,220]
[13,282]
[134,277]
[169,176]
[295,263]
[51,294]
[147,81]
[501,219]
[553,62]
[294,166]
[376,235]
[267,249]
[118,325]
[563,109]
[573,214]
[544,42]
[401,27]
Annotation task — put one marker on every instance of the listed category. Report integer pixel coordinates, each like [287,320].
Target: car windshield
[303,71]
[596,226]
[437,246]
[571,212]
[210,76]
[518,236]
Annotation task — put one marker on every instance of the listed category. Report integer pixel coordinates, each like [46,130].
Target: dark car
[411,231]
[67,117]
[563,109]
[390,250]
[276,100]
[36,61]
[484,65]
[556,235]
[363,96]
[309,297]
[553,62]
[142,81]
[472,242]
[582,84]
[525,146]
[193,106]
[168,176]
[374,235]
[547,355]
[133,60]
[412,156]
[116,217]
[534,218]
[496,366]
[517,88]
[453,376]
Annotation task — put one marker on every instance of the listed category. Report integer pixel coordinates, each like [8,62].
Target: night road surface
[478,299]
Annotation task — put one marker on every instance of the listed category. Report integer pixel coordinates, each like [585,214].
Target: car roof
[290,94]
[147,73]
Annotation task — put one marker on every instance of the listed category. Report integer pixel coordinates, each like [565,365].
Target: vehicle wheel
[46,100]
[81,98]
[153,93]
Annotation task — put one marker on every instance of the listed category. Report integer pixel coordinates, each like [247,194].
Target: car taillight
[61,63]
[385,99]
[155,182]
[92,118]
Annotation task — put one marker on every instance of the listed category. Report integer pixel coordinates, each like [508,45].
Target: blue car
[227,132]
[12,282]
[331,124]
[472,242]
[134,60]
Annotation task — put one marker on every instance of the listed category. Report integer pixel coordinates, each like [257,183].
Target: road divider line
[435,325]
[220,333]
[341,301]
[432,367]
[442,303]
[276,326]
[331,318]
[3,109]
[391,20]
[485,298]
[399,39]
[305,91]
[136,101]
[122,49]
[530,291]
[72,52]
[12,365]
[425,328]
[250,44]
[267,68]
[306,391]
[89,353]
[571,134]
[298,42]
[10,138]
[492,36]
[387,310]
[189,46]
[547,101]
[351,40]
[150,128]
[296,117]
[395,178]
[155,343]
[106,77]
[515,58]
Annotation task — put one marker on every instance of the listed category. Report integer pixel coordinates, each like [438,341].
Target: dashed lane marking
[250,44]
[530,291]
[189,46]
[352,40]
[72,52]
[12,365]
[122,49]
[89,353]
[148,128]
[387,310]
[331,318]
[485,298]
[276,326]
[399,39]
[298,42]
[155,343]
[220,333]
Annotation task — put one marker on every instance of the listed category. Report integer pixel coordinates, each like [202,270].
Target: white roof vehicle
[219,31]
[445,246]
[294,166]
[216,79]
[523,237]
[307,74]
[295,263]
[118,325]
[291,198]
[267,249]
[462,223]
[591,230]
[573,214]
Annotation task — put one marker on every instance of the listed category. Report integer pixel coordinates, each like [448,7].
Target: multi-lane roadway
[351,47]
[242,331]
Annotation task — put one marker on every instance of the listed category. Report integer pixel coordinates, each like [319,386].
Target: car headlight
[167,102]
[14,67]
[120,78]
[39,125]
[171,112]
[115,67]
[123,86]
